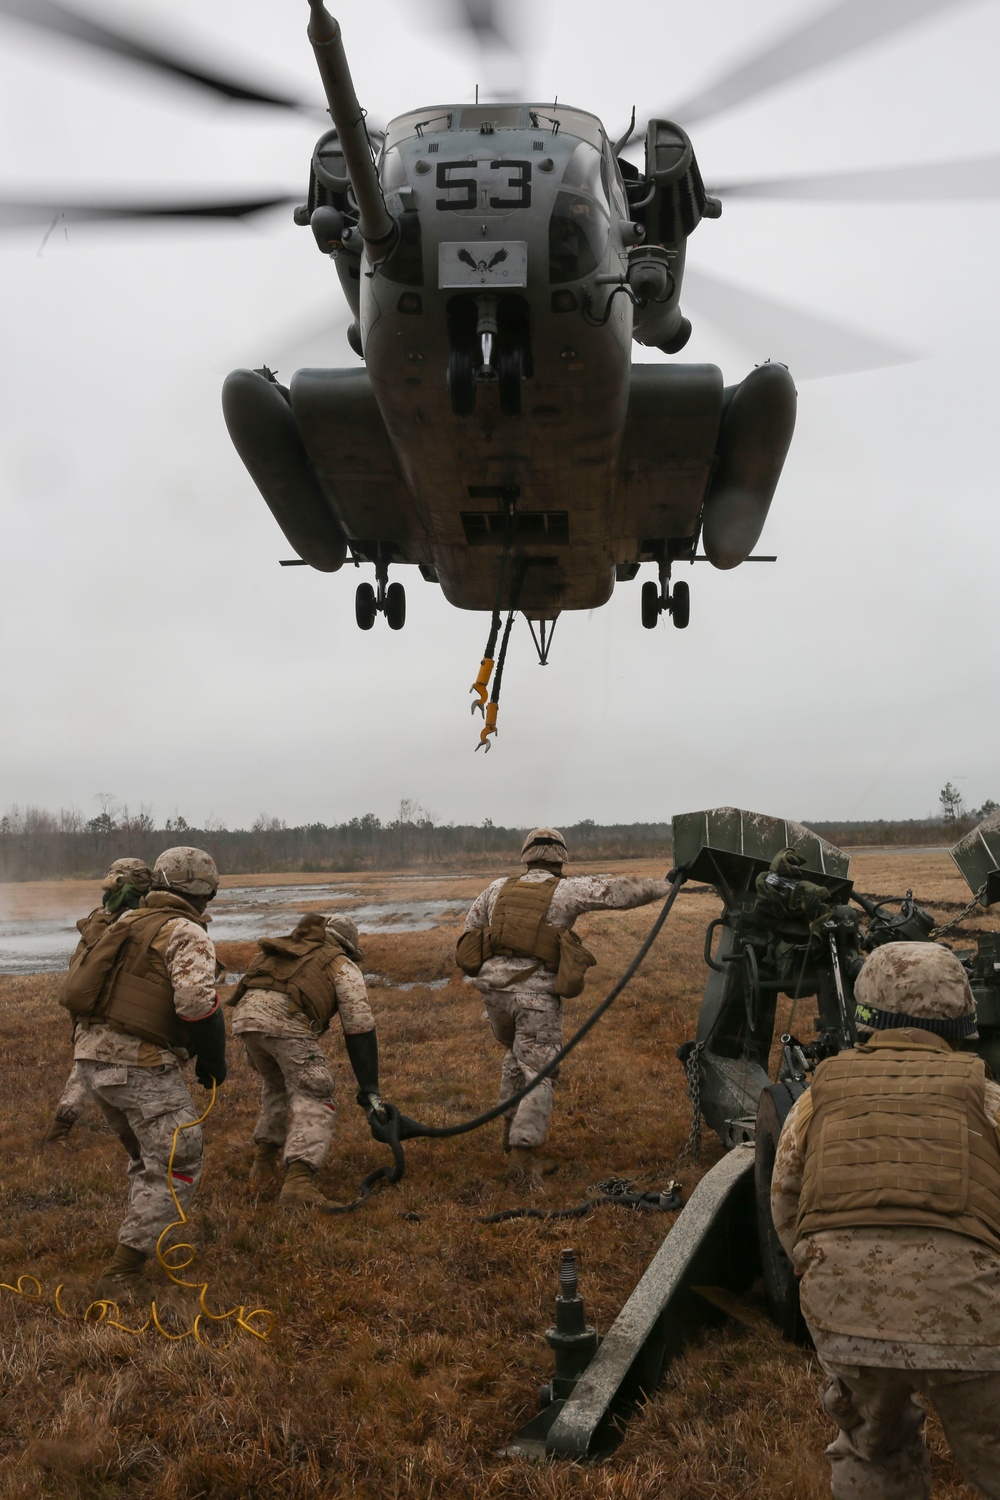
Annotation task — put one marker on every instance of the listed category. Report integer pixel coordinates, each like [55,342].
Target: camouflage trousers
[532,1035]
[880,1454]
[296,1095]
[74,1098]
[144,1106]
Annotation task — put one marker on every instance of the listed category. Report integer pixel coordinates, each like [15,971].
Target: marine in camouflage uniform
[124,886]
[886,1197]
[284,1002]
[520,990]
[137,1082]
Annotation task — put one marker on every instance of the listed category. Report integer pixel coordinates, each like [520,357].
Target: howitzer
[793,926]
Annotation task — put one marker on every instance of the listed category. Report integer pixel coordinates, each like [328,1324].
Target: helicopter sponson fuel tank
[498,260]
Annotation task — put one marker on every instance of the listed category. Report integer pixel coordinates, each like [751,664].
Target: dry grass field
[408,1342]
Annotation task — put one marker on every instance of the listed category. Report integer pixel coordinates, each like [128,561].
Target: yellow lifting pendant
[482,683]
[490,727]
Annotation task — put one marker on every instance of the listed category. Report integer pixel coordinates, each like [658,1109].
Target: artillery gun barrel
[378,228]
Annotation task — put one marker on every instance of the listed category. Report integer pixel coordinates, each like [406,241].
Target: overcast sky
[152,646]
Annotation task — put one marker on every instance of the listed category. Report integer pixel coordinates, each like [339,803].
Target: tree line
[39,845]
[36,844]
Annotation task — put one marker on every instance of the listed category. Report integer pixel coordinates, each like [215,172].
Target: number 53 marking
[519,180]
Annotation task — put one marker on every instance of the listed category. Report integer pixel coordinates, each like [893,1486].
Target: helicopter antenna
[622,142]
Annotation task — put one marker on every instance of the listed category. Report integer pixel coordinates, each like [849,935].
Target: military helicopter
[499,259]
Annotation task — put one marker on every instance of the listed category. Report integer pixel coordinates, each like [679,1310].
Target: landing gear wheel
[650,604]
[510,380]
[365,608]
[395,606]
[781,1286]
[680,605]
[462,381]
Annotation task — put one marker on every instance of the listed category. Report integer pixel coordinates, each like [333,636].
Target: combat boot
[264,1168]
[528,1168]
[57,1131]
[122,1279]
[299,1189]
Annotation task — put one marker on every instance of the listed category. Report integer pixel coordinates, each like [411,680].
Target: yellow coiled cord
[106,1312]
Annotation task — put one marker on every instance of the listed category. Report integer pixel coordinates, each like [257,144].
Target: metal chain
[939,932]
[691,1150]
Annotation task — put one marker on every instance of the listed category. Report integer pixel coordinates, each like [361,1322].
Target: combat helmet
[134,872]
[345,931]
[915,984]
[190,871]
[544,846]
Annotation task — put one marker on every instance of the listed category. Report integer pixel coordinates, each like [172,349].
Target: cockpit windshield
[547,119]
[587,172]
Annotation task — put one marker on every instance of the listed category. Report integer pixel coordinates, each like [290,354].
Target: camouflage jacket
[899,1297]
[189,954]
[574,895]
[274,1014]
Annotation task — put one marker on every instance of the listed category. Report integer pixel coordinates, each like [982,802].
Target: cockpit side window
[578,237]
[392,173]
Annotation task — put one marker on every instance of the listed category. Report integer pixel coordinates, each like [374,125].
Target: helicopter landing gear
[657,597]
[650,604]
[510,380]
[389,600]
[462,381]
[365,607]
[395,606]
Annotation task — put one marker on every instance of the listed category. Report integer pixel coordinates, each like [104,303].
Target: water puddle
[239,914]
[411,984]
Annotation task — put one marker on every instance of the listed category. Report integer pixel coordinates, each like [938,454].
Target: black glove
[362,1050]
[207,1045]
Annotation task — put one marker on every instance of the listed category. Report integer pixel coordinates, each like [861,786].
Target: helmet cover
[915,984]
[544,846]
[345,931]
[134,872]
[190,871]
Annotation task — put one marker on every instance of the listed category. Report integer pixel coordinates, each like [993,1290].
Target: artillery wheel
[462,381]
[365,607]
[510,380]
[680,605]
[650,604]
[781,1287]
[395,606]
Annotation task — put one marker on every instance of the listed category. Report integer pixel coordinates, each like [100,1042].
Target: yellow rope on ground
[105,1311]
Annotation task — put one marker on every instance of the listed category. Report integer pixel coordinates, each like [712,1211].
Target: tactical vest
[122,980]
[304,969]
[518,928]
[899,1134]
[93,927]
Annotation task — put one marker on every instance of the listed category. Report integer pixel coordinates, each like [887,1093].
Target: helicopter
[499,259]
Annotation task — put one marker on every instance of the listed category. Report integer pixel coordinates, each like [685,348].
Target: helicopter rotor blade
[812,347]
[48,15]
[845,28]
[481,17]
[961,181]
[15,214]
